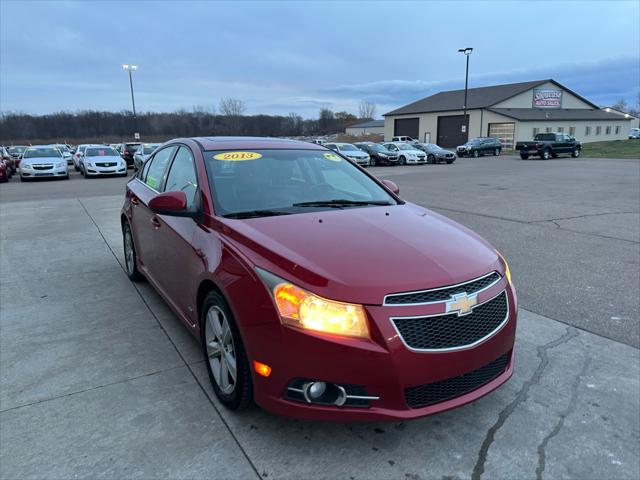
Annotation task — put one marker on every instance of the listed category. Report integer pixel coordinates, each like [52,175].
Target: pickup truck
[547,145]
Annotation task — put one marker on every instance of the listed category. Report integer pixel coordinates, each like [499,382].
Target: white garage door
[503,132]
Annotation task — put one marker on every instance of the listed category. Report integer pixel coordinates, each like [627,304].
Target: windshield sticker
[237,156]
[152,182]
[333,157]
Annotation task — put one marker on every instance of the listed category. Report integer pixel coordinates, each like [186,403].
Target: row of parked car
[392,153]
[54,160]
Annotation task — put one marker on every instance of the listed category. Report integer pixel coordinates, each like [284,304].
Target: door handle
[155,222]
[135,201]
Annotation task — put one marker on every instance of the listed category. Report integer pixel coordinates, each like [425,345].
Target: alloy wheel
[128,252]
[221,351]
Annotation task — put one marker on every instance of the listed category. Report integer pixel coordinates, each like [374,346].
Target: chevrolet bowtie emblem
[462,304]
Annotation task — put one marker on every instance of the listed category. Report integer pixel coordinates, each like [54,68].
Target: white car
[350,151]
[43,161]
[404,139]
[66,153]
[98,160]
[634,133]
[406,152]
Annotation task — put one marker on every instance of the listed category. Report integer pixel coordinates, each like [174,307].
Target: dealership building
[513,112]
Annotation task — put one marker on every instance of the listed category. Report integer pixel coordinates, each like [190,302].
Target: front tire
[402,160]
[130,255]
[476,153]
[575,153]
[496,152]
[524,156]
[224,353]
[431,159]
[372,162]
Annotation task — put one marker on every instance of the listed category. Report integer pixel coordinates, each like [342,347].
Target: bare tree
[367,109]
[232,107]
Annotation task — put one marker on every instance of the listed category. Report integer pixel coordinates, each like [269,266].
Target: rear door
[180,263]
[143,221]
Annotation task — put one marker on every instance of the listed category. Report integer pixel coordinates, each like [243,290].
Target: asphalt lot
[99,379]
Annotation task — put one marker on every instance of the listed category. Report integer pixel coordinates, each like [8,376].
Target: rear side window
[156,167]
[182,176]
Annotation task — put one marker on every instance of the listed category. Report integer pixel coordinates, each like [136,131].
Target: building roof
[367,124]
[482,97]
[561,114]
[619,112]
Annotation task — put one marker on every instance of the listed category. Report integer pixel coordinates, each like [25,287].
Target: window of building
[587,130]
[617,129]
[547,130]
[598,130]
[560,129]
[572,131]
[607,130]
[536,131]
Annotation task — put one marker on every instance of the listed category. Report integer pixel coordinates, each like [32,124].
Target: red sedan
[314,289]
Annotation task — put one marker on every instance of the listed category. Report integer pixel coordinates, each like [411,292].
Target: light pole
[467,51]
[130,68]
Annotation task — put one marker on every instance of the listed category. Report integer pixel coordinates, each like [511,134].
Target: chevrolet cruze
[313,288]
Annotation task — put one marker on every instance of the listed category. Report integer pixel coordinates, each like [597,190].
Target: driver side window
[182,176]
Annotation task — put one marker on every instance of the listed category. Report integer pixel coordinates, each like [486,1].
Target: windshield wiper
[256,213]
[340,203]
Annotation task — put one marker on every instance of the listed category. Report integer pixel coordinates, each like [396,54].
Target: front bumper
[44,172]
[383,367]
[417,159]
[96,171]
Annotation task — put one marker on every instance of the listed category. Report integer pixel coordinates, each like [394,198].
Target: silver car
[44,161]
[66,153]
[142,153]
[99,160]
[406,152]
[350,151]
[435,153]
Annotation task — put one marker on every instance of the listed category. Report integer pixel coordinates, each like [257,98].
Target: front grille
[442,294]
[452,331]
[106,164]
[423,395]
[42,167]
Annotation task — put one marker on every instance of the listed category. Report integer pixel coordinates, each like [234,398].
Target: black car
[128,150]
[548,145]
[476,147]
[378,154]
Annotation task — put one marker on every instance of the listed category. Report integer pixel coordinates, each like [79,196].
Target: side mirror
[170,203]
[391,186]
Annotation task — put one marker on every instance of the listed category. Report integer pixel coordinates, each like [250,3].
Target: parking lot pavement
[99,379]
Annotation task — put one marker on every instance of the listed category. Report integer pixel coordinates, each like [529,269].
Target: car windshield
[433,146]
[406,146]
[42,152]
[280,182]
[347,147]
[147,149]
[101,152]
[379,149]
[473,142]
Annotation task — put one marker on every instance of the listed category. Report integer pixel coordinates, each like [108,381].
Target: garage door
[407,127]
[450,131]
[503,132]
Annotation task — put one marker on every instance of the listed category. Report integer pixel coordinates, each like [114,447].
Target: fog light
[316,389]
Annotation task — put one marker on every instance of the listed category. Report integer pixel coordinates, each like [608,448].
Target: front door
[179,260]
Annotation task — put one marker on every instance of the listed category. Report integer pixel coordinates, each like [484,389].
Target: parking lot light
[130,68]
[467,51]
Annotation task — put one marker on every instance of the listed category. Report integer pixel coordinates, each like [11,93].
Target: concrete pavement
[99,379]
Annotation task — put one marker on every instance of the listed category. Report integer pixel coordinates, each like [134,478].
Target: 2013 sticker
[333,157]
[237,156]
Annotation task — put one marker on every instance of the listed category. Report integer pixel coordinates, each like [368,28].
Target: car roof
[257,143]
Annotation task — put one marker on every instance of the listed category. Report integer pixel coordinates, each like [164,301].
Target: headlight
[305,310]
[507,271]
[382,155]
[60,165]
[25,165]
[89,164]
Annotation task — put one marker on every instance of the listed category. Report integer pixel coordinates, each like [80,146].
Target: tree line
[16,127]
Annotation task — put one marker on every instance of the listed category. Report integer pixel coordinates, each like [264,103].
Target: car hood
[104,158]
[41,160]
[411,152]
[353,153]
[360,255]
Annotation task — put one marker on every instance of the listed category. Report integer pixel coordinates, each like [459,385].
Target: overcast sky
[281,57]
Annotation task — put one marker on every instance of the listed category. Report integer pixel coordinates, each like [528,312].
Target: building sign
[547,98]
